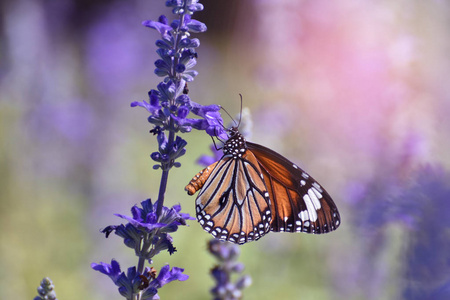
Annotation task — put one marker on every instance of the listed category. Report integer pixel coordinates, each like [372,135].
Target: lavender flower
[169,105]
[147,234]
[148,228]
[46,290]
[227,254]
[146,283]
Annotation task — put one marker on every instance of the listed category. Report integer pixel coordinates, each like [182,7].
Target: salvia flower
[133,282]
[46,290]
[227,254]
[169,105]
[146,231]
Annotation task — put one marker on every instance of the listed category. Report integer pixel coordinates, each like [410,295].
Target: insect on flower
[252,190]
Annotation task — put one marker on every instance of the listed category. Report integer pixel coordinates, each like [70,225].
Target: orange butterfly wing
[233,203]
[299,203]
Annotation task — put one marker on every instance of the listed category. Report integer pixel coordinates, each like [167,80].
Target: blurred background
[355,92]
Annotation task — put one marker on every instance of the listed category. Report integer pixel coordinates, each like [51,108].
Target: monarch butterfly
[252,190]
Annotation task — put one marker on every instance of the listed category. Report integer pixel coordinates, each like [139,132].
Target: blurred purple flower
[227,253]
[425,204]
[206,160]
[72,120]
[114,51]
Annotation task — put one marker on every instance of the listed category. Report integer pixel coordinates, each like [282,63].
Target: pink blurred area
[360,78]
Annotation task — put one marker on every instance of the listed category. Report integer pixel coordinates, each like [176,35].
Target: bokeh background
[356,92]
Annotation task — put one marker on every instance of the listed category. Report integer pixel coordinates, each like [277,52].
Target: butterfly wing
[233,203]
[299,203]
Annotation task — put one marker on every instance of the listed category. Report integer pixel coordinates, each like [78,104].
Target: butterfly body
[252,190]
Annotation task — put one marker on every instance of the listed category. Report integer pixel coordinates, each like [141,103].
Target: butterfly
[252,190]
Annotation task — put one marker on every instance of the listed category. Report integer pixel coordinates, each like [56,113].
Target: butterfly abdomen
[199,180]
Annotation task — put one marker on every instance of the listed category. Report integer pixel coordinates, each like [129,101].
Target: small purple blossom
[166,275]
[112,270]
[145,225]
[145,218]
[134,282]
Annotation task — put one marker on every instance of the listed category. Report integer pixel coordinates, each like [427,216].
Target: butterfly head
[235,145]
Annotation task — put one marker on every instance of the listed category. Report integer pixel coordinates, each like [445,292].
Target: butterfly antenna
[240,113]
[229,116]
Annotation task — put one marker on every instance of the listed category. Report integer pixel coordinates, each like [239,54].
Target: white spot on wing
[310,206]
[317,192]
[314,199]
[317,186]
[303,215]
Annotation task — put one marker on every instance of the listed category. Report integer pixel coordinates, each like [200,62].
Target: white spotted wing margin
[299,203]
[234,204]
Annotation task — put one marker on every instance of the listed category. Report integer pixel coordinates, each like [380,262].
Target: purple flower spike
[170,106]
[227,254]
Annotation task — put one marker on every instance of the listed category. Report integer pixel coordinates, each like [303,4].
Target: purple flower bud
[180,68]
[194,25]
[156,156]
[163,20]
[183,111]
[162,28]
[185,42]
[183,99]
[195,43]
[195,7]
[163,44]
